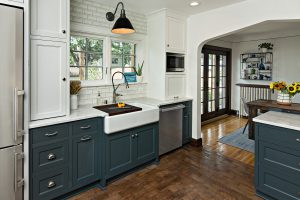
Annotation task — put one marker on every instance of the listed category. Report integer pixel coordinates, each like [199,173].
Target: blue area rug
[239,140]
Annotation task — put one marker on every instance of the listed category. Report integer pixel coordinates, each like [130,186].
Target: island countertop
[280,119]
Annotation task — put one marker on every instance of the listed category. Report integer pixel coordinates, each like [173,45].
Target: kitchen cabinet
[119,153]
[128,149]
[49,54]
[175,35]
[48,79]
[187,123]
[277,158]
[169,39]
[86,157]
[65,157]
[49,18]
[175,86]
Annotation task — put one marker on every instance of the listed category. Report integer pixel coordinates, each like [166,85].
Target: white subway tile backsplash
[89,95]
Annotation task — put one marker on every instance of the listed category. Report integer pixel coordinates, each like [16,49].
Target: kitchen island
[277,155]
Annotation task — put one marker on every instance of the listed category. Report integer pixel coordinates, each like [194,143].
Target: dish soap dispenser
[99,99]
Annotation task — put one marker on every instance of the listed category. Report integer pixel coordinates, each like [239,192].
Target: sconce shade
[123,26]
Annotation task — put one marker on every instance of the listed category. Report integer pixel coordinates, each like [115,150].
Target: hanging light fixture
[122,25]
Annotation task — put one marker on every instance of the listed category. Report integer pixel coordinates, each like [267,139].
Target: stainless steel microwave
[175,62]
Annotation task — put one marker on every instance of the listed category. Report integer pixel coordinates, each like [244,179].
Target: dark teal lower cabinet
[86,159]
[64,158]
[131,148]
[277,162]
[118,153]
[187,123]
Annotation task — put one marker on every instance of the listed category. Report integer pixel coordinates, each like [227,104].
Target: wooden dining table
[267,105]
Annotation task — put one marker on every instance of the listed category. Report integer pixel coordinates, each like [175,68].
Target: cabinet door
[146,144]
[175,86]
[86,159]
[49,18]
[175,35]
[48,83]
[119,153]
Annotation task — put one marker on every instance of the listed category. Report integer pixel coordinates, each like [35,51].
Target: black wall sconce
[122,25]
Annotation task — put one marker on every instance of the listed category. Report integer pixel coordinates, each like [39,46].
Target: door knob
[64,31]
[64,79]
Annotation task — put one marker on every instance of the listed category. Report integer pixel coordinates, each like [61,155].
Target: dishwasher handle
[177,107]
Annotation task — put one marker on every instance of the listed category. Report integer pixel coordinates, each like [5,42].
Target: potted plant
[75,87]
[285,92]
[264,47]
[139,72]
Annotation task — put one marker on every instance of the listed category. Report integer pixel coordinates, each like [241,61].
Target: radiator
[252,92]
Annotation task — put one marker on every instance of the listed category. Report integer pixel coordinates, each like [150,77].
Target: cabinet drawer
[49,133]
[279,157]
[50,184]
[278,184]
[49,156]
[85,126]
[281,136]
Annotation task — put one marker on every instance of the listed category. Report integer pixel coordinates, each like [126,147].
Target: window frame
[107,58]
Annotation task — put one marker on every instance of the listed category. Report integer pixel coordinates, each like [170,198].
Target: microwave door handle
[17,133]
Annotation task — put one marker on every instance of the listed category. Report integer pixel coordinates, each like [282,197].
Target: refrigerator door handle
[17,133]
[17,183]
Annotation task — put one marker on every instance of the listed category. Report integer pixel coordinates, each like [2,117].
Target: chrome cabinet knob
[51,156]
[298,139]
[136,135]
[51,184]
[132,136]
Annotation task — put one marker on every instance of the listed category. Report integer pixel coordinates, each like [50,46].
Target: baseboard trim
[214,119]
[196,142]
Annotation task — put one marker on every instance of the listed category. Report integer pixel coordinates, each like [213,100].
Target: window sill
[90,84]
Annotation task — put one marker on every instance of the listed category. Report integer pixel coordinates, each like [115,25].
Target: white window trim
[106,59]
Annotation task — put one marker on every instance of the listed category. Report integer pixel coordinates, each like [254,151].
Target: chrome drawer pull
[86,138]
[86,127]
[298,140]
[51,156]
[51,184]
[51,134]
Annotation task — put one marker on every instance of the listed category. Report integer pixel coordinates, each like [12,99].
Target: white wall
[224,21]
[286,63]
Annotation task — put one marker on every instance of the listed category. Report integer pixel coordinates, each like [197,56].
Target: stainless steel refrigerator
[11,103]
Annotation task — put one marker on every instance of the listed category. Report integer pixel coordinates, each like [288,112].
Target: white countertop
[87,111]
[280,119]
[83,112]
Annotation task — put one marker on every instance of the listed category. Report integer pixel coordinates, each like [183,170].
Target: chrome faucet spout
[115,94]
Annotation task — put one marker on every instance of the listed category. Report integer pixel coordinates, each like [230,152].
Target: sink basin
[113,109]
[115,123]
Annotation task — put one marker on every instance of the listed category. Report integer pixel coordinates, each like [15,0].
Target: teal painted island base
[277,162]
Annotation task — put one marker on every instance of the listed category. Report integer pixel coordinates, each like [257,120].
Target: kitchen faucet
[115,94]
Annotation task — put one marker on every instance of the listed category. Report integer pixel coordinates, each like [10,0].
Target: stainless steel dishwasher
[170,128]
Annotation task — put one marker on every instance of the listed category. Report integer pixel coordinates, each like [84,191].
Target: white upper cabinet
[175,86]
[175,38]
[48,79]
[49,18]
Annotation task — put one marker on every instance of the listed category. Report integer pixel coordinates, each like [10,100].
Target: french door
[215,81]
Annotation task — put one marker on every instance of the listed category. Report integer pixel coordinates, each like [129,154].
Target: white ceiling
[268,29]
[148,6]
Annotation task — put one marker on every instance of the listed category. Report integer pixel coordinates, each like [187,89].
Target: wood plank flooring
[214,172]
